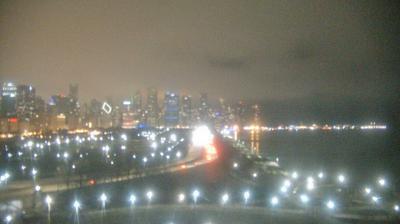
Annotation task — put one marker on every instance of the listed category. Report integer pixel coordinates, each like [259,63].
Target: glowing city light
[321,175]
[330,205]
[103,198]
[304,198]
[195,195]
[8,219]
[224,198]
[181,197]
[246,196]
[124,137]
[76,205]
[367,190]
[382,182]
[149,195]
[375,199]
[37,188]
[295,175]
[48,200]
[274,201]
[202,136]
[34,172]
[341,178]
[132,199]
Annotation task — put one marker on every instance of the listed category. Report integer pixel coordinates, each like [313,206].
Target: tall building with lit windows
[204,108]
[171,109]
[152,110]
[26,98]
[9,100]
[186,111]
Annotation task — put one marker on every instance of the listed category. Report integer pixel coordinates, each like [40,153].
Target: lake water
[361,155]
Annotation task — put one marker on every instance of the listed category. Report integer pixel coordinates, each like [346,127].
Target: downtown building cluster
[23,111]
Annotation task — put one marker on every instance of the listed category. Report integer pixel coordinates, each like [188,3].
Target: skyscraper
[9,100]
[152,109]
[26,97]
[186,110]
[171,109]
[204,107]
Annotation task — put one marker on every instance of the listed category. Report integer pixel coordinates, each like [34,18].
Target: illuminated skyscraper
[129,120]
[9,100]
[186,110]
[26,96]
[171,109]
[204,107]
[152,109]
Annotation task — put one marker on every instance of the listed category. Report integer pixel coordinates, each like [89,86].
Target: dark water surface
[361,155]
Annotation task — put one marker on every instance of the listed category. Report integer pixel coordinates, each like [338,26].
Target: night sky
[260,50]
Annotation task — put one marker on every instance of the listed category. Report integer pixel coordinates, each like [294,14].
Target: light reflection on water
[359,153]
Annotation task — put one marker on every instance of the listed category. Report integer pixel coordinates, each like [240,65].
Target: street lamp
[149,196]
[34,173]
[304,198]
[181,197]
[225,198]
[103,199]
[330,205]
[341,178]
[132,199]
[246,196]
[77,206]
[195,195]
[367,190]
[48,201]
[274,201]
[8,219]
[382,182]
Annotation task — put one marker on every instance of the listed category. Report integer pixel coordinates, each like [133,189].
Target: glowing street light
[149,196]
[295,175]
[396,208]
[235,165]
[341,178]
[8,219]
[246,196]
[330,205]
[34,172]
[195,195]
[375,199]
[48,201]
[274,201]
[37,188]
[103,199]
[202,136]
[132,199]
[124,137]
[367,190]
[225,198]
[382,182]
[181,197]
[321,175]
[76,205]
[304,198]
